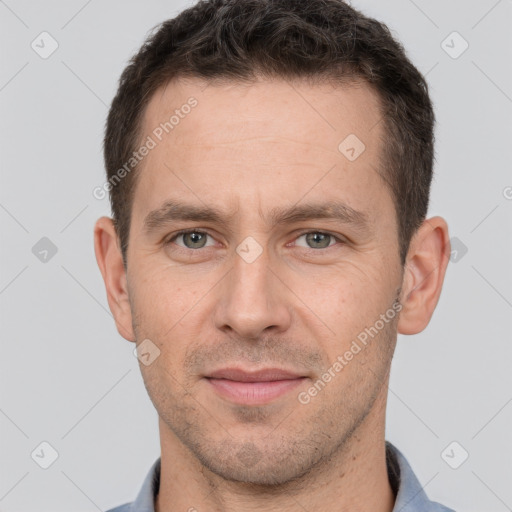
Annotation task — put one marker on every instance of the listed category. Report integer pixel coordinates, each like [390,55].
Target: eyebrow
[173,210]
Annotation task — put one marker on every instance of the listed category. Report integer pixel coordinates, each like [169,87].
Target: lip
[263,375]
[253,387]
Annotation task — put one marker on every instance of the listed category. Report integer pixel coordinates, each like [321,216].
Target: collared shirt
[410,496]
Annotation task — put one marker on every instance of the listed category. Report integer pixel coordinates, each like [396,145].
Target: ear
[110,261]
[425,268]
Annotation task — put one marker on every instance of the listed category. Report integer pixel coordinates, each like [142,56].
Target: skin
[247,149]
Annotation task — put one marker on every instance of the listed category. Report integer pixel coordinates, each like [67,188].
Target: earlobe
[424,274]
[110,262]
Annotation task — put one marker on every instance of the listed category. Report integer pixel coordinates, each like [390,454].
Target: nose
[253,300]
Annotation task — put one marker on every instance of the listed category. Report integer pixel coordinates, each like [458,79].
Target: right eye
[192,239]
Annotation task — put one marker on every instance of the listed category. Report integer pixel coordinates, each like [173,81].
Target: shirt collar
[410,496]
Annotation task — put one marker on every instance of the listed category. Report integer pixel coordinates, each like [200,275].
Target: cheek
[171,309]
[344,302]
[347,294]
[166,388]
[157,301]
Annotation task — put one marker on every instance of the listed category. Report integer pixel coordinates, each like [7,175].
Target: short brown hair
[322,40]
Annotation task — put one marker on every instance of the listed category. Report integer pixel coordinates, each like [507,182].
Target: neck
[353,478]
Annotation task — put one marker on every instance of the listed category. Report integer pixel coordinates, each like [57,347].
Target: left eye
[318,239]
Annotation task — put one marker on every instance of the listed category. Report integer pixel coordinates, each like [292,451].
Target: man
[269,165]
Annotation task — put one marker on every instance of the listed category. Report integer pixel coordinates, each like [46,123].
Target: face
[292,252]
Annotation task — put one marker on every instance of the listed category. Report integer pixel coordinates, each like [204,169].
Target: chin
[251,464]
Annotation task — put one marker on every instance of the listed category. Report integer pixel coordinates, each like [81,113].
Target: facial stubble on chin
[278,457]
[238,460]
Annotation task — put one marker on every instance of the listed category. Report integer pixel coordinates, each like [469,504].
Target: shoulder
[126,507]
[437,507]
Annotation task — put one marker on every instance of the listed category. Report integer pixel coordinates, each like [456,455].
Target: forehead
[263,143]
[317,114]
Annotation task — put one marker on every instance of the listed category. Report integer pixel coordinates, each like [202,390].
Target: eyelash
[306,232]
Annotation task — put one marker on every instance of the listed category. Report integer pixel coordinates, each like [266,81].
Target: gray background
[68,378]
